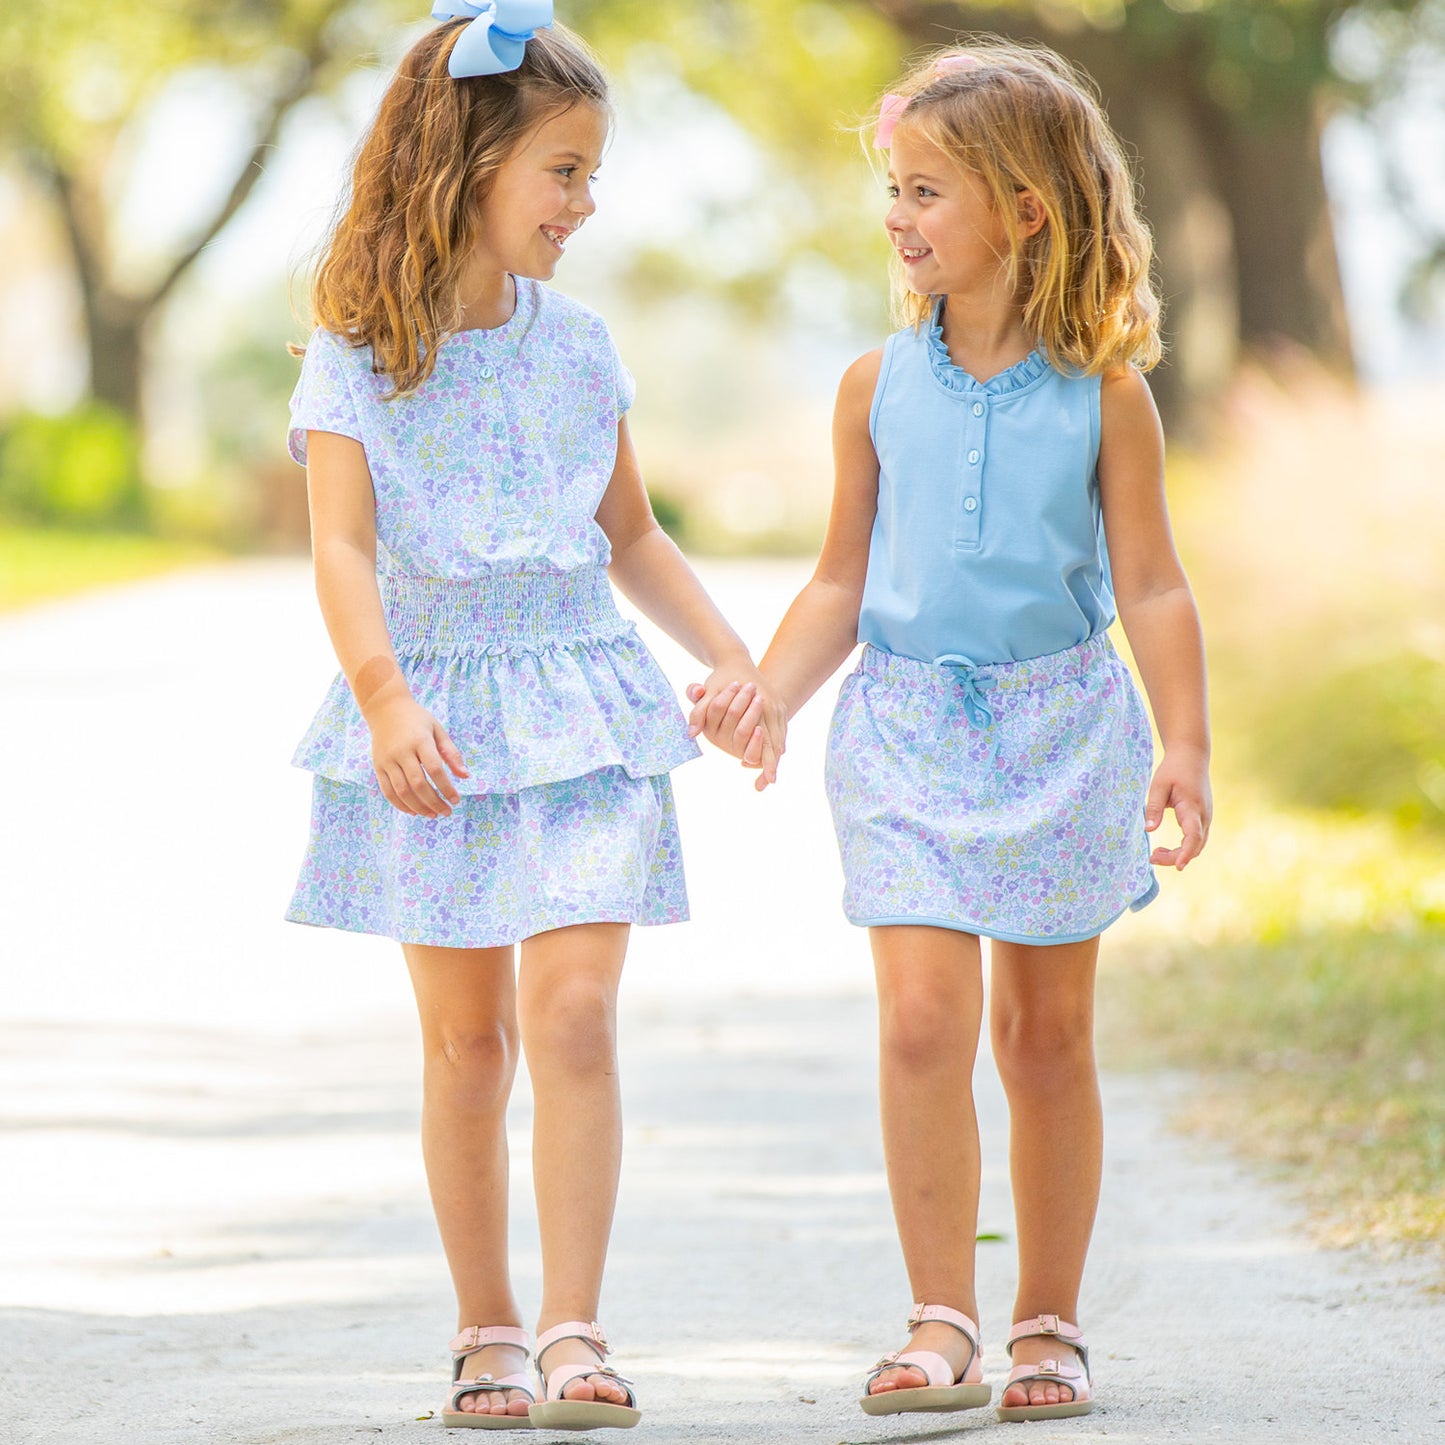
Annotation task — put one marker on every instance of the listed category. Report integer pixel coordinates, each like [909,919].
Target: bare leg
[930,1006]
[466,1000]
[1042,1025]
[567,1007]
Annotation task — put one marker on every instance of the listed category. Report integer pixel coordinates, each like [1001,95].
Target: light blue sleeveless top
[988,545]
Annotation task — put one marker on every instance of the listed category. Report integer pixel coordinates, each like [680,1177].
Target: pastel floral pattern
[1031,829]
[492,574]
[499,460]
[603,847]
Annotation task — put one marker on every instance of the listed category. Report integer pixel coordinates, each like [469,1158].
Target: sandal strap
[485,1384]
[590,1333]
[936,1370]
[1053,1372]
[943,1315]
[481,1337]
[587,1330]
[1051,1327]
[478,1337]
[554,1383]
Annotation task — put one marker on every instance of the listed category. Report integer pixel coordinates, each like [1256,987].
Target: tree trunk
[1195,266]
[1270,175]
[115,333]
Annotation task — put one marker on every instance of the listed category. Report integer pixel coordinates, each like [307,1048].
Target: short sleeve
[623,385]
[323,399]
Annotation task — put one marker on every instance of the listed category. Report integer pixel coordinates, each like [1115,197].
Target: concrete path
[213,1221]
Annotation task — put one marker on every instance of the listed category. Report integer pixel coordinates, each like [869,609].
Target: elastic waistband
[438,614]
[1054,668]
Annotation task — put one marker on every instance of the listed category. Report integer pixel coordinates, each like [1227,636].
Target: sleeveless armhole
[883,368]
[1096,428]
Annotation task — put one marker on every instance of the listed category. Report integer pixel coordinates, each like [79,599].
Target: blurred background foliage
[163,170]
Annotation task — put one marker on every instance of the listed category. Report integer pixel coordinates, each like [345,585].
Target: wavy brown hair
[1023,119]
[389,270]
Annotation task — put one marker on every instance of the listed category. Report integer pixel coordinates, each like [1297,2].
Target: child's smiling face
[542,193]
[943,222]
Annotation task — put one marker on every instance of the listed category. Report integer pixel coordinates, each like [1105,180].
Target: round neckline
[1021,374]
[524,300]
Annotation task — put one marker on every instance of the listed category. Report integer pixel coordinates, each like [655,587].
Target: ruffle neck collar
[1014,378]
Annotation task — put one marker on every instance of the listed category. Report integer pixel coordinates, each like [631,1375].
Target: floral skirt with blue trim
[568,729]
[1005,800]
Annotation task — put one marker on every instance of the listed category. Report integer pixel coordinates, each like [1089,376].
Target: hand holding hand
[1181,783]
[736,712]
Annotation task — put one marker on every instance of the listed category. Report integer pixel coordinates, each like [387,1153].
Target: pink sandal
[466,1344]
[944,1390]
[1050,1372]
[555,1413]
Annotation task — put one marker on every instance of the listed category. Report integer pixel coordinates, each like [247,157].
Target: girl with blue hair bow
[491,767]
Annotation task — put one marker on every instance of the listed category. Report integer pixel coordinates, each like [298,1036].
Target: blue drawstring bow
[975,705]
[496,40]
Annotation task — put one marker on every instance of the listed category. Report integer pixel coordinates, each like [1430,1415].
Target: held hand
[412,753]
[736,712]
[1181,783]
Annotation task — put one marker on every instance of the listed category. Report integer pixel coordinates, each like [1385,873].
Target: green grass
[1300,973]
[40,564]
[1297,968]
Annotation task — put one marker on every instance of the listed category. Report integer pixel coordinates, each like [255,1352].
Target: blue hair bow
[496,40]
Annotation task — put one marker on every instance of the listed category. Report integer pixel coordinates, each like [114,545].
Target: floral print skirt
[1005,800]
[601,847]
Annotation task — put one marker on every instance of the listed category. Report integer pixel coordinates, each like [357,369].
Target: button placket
[975,442]
[506,482]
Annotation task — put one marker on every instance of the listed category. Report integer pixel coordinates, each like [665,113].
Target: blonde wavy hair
[388,272]
[1023,119]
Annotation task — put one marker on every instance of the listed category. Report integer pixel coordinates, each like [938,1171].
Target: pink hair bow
[891,109]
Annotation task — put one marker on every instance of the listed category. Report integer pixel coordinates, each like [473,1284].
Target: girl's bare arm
[1156,608]
[653,574]
[410,750]
[820,629]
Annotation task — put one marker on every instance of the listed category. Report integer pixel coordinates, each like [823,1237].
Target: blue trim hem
[961,926]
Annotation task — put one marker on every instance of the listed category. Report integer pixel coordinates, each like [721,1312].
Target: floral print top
[499,460]
[491,562]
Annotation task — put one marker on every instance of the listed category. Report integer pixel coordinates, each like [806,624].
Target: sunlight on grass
[1299,964]
[40,565]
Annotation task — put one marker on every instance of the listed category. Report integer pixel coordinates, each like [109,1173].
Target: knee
[1048,1051]
[476,1063]
[574,1028]
[919,1033]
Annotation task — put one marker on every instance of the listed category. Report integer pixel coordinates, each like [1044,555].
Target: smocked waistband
[440,614]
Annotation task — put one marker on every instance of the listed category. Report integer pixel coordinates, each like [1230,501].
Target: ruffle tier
[535,676]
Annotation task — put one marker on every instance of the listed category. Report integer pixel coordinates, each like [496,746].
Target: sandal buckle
[1049,1324]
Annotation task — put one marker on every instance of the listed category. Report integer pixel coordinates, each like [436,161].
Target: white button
[970,504]
[978,408]
[973,456]
[487,373]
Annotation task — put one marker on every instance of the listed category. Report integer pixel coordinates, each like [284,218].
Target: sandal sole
[469,1420]
[582,1415]
[926,1398]
[1018,1413]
